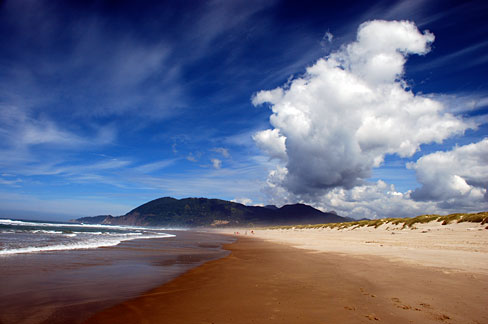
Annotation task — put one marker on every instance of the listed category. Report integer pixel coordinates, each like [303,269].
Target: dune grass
[481,217]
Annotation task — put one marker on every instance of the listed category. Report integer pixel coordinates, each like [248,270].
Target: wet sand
[263,282]
[70,286]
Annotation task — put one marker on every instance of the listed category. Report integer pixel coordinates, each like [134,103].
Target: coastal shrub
[481,217]
[475,218]
[397,221]
[376,223]
[448,219]
[409,222]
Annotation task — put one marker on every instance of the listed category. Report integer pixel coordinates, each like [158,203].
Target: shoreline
[71,285]
[262,281]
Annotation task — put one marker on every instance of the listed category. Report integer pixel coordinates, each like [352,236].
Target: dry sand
[453,247]
[265,282]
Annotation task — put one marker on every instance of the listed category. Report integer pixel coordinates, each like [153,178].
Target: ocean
[64,273]
[18,236]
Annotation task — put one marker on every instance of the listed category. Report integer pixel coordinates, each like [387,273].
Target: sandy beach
[316,276]
[243,162]
[452,247]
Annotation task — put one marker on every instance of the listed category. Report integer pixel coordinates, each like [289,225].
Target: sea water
[64,273]
[20,236]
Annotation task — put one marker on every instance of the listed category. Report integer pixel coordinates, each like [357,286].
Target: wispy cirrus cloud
[22,205]
[23,136]
[10,181]
[231,180]
[455,57]
[155,166]
[67,169]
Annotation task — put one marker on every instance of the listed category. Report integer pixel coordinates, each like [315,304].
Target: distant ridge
[204,212]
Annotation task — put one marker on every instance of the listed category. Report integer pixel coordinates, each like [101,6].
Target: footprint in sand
[350,308]
[443,317]
[396,300]
[439,317]
[372,317]
[366,293]
[399,304]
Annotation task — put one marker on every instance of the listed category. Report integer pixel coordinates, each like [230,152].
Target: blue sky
[106,105]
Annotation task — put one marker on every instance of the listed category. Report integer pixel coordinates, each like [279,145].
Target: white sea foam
[92,233]
[121,227]
[30,237]
[89,244]
[46,232]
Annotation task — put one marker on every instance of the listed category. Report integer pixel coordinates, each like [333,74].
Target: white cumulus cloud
[454,178]
[374,200]
[222,150]
[216,163]
[272,143]
[337,122]
[370,200]
[244,201]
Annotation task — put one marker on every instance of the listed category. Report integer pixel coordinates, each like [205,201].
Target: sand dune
[452,247]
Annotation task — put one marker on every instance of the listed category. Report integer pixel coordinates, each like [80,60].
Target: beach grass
[481,217]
